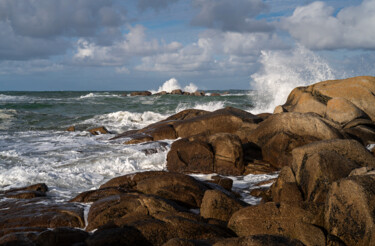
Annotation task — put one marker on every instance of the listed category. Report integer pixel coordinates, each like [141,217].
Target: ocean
[36,148]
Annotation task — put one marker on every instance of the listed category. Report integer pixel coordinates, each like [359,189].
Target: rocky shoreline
[324,195]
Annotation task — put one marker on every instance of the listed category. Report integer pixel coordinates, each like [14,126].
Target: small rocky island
[320,141]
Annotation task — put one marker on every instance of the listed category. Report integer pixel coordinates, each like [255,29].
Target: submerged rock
[140,93]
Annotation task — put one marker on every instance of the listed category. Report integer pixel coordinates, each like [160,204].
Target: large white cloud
[133,44]
[317,27]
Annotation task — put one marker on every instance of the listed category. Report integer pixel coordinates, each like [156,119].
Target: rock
[349,210]
[277,219]
[29,192]
[186,114]
[116,207]
[186,93]
[61,237]
[359,91]
[228,153]
[217,205]
[343,111]
[40,213]
[117,236]
[18,239]
[190,157]
[226,183]
[161,132]
[186,242]
[285,189]
[281,133]
[174,186]
[198,93]
[139,138]
[279,109]
[226,120]
[71,129]
[177,92]
[161,93]
[140,93]
[215,94]
[99,130]
[362,171]
[259,240]
[319,164]
[361,130]
[94,195]
[161,230]
[259,167]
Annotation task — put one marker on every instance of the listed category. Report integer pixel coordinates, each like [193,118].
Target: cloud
[229,15]
[29,67]
[214,52]
[316,26]
[154,4]
[15,47]
[51,18]
[133,44]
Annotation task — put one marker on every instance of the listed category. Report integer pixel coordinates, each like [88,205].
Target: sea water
[35,146]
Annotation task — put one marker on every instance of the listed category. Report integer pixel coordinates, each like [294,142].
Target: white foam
[7,117]
[172,84]
[72,163]
[370,147]
[208,106]
[282,71]
[93,95]
[124,120]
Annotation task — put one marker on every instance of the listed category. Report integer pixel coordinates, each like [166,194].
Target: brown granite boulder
[228,153]
[94,195]
[362,130]
[140,93]
[39,212]
[61,237]
[226,120]
[259,240]
[177,92]
[277,219]
[349,210]
[343,111]
[218,205]
[359,91]
[98,130]
[316,166]
[187,156]
[32,191]
[119,206]
[180,188]
[286,189]
[124,236]
[226,183]
[279,134]
[187,242]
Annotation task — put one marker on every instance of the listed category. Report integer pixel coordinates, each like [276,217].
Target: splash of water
[172,84]
[282,71]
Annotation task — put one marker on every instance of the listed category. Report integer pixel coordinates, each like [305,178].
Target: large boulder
[177,187]
[277,219]
[286,189]
[343,111]
[259,240]
[223,120]
[187,156]
[228,153]
[279,134]
[218,205]
[317,165]
[39,212]
[349,210]
[117,207]
[140,93]
[359,91]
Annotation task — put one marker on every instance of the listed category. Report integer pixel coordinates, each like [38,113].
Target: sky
[215,44]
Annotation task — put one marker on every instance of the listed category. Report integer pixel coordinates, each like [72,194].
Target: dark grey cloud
[51,18]
[154,4]
[229,15]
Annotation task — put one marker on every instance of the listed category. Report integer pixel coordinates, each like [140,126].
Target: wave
[9,98]
[209,106]
[172,84]
[282,71]
[93,95]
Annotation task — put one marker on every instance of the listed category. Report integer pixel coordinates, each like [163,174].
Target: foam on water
[125,120]
[208,106]
[72,162]
[93,95]
[282,71]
